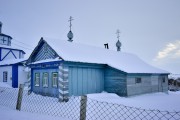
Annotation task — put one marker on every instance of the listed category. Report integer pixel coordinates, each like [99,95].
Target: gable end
[42,52]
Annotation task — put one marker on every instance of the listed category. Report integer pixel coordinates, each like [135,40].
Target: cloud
[171,51]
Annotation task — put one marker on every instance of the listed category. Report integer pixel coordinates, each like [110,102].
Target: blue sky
[149,28]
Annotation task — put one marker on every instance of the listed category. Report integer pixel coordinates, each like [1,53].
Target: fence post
[19,99]
[29,81]
[83,107]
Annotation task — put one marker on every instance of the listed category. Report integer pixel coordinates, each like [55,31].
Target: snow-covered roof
[127,62]
[47,60]
[12,61]
[174,76]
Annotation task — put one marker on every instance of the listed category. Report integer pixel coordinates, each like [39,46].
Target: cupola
[118,43]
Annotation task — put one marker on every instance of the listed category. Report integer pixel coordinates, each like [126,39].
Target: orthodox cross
[70,19]
[118,32]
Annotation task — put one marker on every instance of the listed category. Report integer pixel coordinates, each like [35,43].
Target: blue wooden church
[65,68]
[11,61]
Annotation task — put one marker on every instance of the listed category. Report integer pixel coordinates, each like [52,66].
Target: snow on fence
[83,108]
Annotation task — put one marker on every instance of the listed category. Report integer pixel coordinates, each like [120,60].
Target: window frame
[163,80]
[45,86]
[138,80]
[54,86]
[37,85]
[4,40]
[5,78]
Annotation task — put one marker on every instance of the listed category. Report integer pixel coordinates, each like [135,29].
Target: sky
[149,28]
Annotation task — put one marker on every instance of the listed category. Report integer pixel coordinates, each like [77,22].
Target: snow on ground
[2,84]
[161,101]
[9,114]
[41,106]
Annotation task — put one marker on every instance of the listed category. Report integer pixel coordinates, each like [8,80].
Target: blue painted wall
[50,90]
[15,76]
[85,80]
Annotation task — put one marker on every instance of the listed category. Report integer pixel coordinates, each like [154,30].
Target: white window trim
[45,85]
[54,85]
[35,83]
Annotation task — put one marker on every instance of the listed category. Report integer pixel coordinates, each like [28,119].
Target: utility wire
[22,46]
[15,40]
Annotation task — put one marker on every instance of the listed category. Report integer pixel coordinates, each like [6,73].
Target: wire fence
[51,106]
[109,111]
[8,97]
[80,108]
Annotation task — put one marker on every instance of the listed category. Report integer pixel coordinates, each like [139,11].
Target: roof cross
[118,32]
[70,19]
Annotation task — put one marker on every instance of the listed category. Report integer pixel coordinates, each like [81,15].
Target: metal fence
[8,97]
[51,106]
[109,111]
[82,108]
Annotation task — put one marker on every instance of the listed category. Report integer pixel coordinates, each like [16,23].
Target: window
[5,76]
[37,79]
[54,79]
[137,80]
[4,40]
[9,42]
[45,80]
[163,79]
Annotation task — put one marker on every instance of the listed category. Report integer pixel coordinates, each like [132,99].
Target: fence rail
[83,108]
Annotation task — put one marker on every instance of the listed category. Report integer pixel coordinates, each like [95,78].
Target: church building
[11,61]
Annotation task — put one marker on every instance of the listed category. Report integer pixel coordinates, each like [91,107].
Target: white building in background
[11,62]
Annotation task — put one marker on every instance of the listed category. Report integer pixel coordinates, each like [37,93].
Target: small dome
[118,44]
[70,35]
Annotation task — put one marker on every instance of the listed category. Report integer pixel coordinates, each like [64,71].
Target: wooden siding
[138,88]
[45,52]
[85,80]
[149,83]
[115,81]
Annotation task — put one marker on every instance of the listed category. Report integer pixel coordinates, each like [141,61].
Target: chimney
[0,27]
[106,46]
